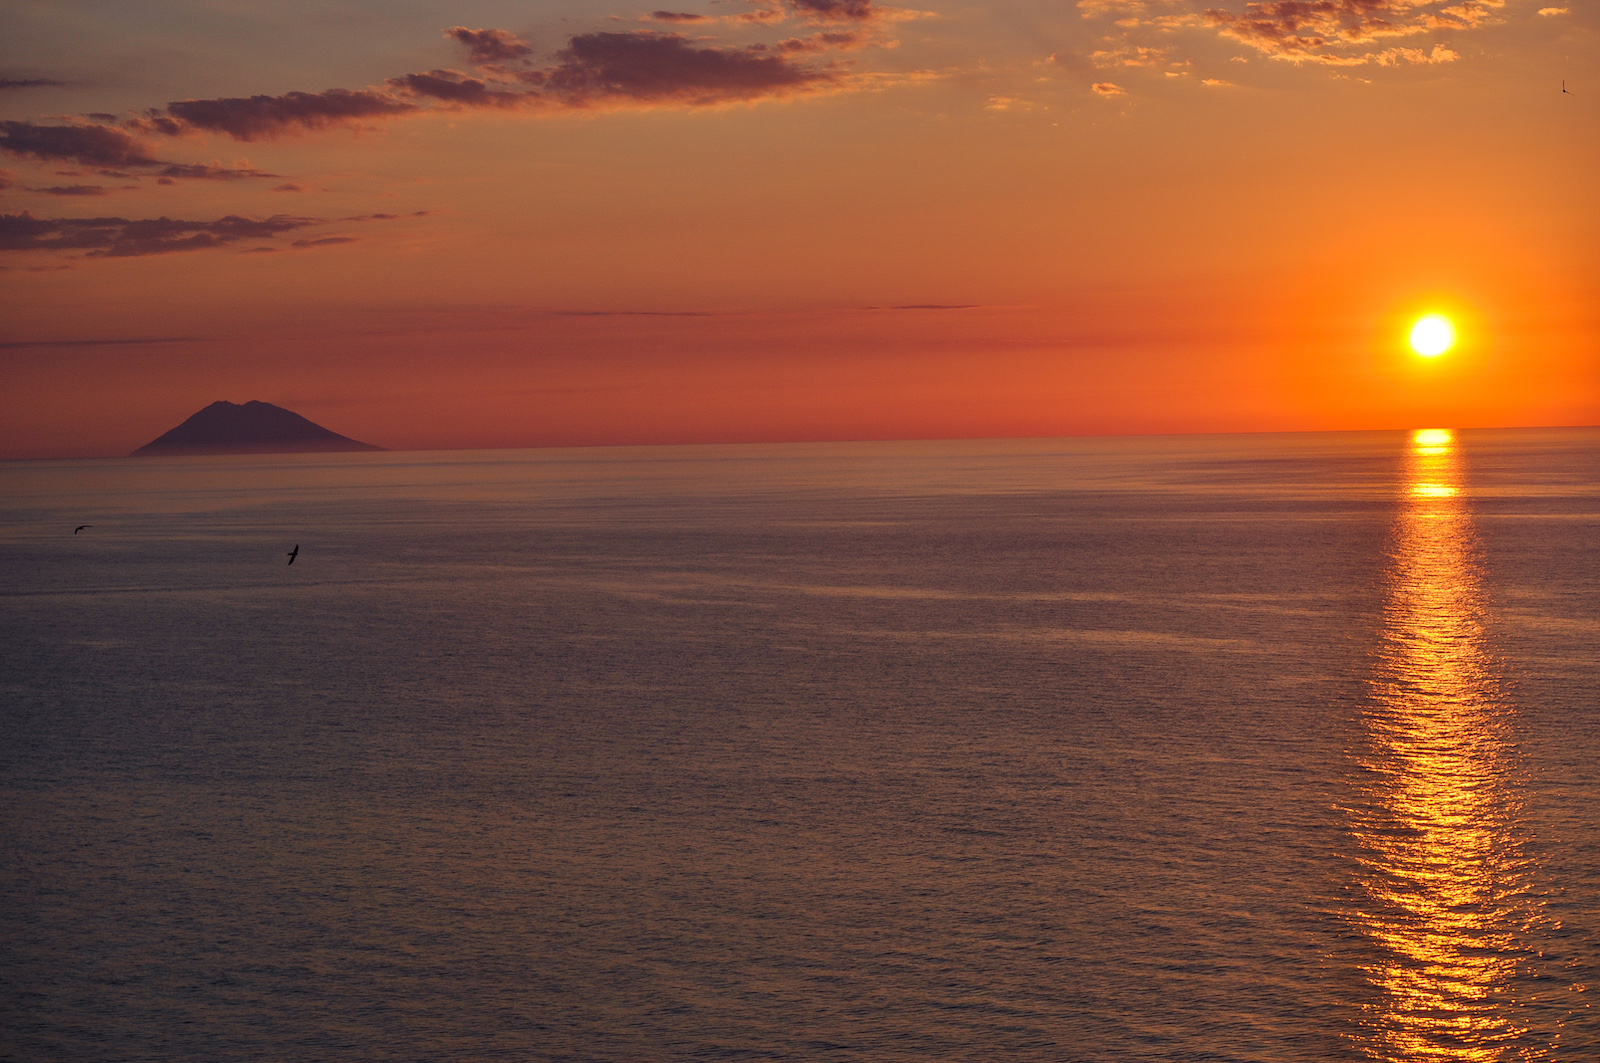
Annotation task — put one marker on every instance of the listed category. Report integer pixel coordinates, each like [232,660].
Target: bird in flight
[294,553]
[80,528]
[1566,91]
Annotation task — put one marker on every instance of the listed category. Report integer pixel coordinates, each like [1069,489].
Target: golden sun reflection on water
[1446,883]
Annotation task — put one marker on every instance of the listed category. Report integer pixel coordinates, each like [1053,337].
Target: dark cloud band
[650,67]
[130,237]
[88,145]
[264,117]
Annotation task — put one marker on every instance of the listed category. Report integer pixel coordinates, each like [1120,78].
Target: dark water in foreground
[1252,748]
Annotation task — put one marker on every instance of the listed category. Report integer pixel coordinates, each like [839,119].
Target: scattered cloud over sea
[593,71]
[681,59]
[1338,33]
[113,237]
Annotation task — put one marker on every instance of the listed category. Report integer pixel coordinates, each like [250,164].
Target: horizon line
[127,456]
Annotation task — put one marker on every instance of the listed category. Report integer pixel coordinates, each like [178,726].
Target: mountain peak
[253,427]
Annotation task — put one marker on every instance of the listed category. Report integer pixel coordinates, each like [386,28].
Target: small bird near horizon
[80,528]
[294,553]
[1566,91]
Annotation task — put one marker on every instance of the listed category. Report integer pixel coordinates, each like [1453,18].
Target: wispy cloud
[265,117]
[604,69]
[7,84]
[631,313]
[836,10]
[107,151]
[1136,55]
[830,40]
[73,190]
[134,237]
[641,68]
[212,171]
[14,345]
[1322,32]
[490,45]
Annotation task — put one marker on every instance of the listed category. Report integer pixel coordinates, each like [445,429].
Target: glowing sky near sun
[505,224]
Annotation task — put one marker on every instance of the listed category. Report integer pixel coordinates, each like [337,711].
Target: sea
[1253,747]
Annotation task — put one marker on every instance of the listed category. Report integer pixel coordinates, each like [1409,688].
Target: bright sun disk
[1432,335]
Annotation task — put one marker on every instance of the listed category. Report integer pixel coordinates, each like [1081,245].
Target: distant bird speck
[80,528]
[1566,91]
[294,553]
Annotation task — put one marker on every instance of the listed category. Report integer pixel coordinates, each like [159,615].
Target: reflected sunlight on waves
[1447,881]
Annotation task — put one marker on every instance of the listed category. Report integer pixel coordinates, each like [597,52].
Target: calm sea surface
[1226,748]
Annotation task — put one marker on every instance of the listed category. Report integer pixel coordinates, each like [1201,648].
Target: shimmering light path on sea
[1449,885]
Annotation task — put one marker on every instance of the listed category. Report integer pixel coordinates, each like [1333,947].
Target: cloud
[1325,32]
[74,190]
[128,238]
[1135,55]
[834,10]
[818,12]
[25,344]
[108,152]
[212,171]
[7,178]
[490,46]
[1106,88]
[1547,11]
[1396,56]
[766,11]
[89,145]
[647,67]
[631,313]
[639,68]
[1104,8]
[452,87]
[136,237]
[1305,30]
[266,117]
[27,83]
[642,67]
[678,16]
[832,40]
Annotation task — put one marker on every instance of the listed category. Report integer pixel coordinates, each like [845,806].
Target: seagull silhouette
[294,553]
[1566,91]
[80,528]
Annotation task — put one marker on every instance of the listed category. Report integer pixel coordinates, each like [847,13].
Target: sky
[489,223]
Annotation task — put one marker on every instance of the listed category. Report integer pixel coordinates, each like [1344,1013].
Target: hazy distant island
[253,428]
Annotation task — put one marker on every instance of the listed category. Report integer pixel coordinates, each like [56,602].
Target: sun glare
[1432,335]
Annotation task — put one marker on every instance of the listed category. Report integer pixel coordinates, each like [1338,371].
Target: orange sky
[803,219]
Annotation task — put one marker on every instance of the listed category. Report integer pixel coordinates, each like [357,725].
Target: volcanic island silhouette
[252,428]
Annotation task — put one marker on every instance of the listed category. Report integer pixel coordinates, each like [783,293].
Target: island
[251,428]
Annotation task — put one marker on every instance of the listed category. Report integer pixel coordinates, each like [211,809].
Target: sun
[1432,335]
